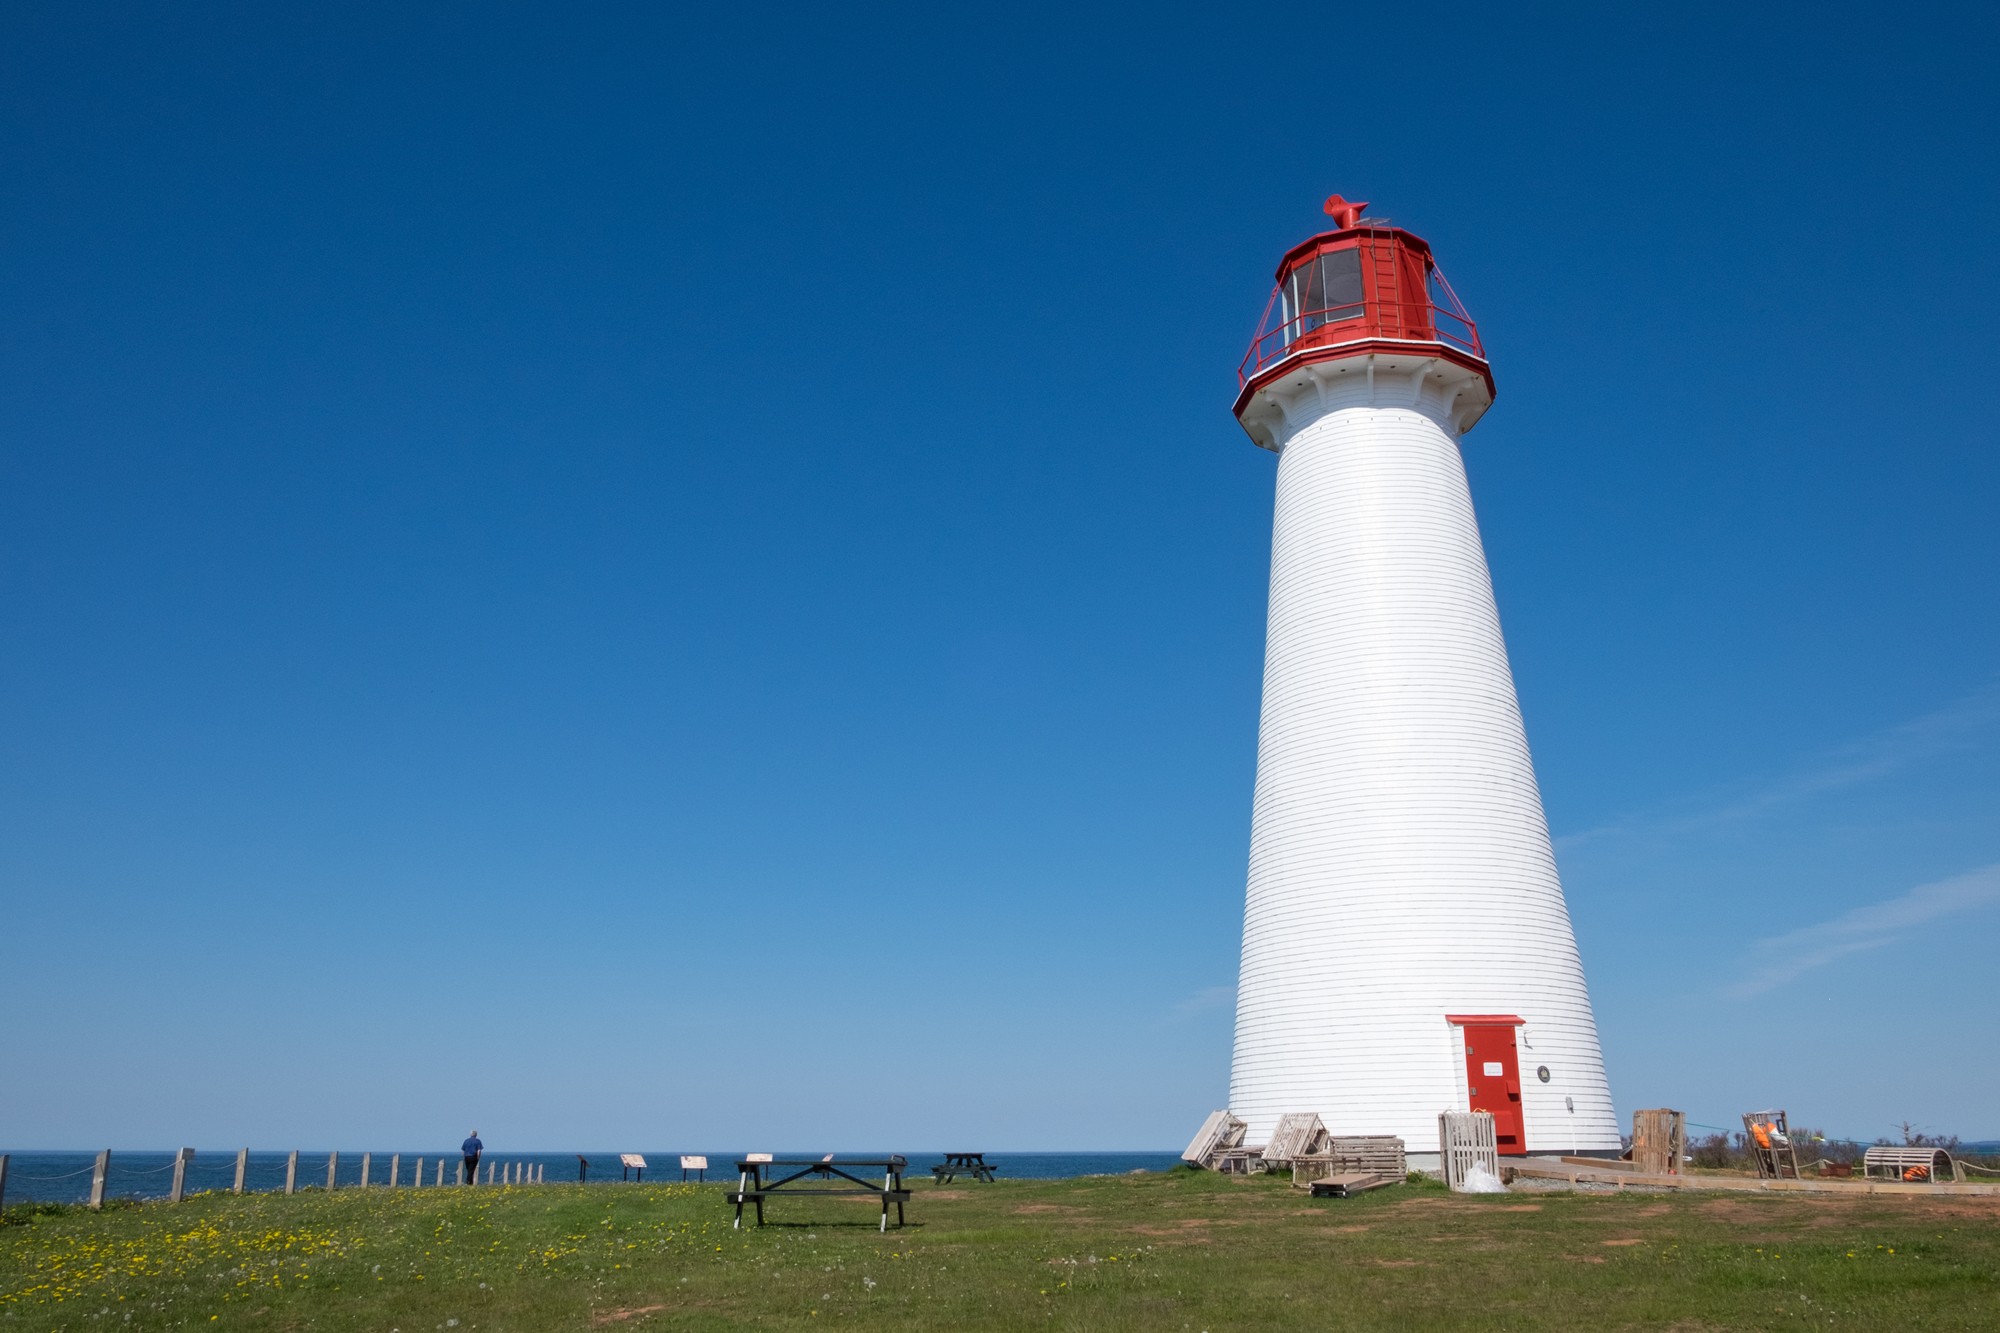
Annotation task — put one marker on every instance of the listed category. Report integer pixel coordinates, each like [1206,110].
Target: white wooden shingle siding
[1400,866]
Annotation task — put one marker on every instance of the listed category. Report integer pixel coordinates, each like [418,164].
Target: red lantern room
[1364,290]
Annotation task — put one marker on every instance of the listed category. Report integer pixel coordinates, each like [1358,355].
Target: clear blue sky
[643,576]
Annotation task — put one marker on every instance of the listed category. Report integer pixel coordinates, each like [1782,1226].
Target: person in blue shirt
[472,1147]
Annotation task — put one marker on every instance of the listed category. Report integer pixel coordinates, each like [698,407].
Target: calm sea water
[64,1177]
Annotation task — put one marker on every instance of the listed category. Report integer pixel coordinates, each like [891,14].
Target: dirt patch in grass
[1623,1240]
[1430,1204]
[605,1317]
[1986,1207]
[1189,1230]
[1043,1210]
[1735,1210]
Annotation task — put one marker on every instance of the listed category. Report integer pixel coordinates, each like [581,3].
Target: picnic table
[764,1177]
[973,1164]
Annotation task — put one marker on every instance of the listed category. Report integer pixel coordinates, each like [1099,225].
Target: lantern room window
[1324,291]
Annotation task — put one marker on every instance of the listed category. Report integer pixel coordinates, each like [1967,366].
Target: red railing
[1441,319]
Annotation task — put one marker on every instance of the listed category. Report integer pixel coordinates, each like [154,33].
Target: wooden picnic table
[763,1178]
[973,1164]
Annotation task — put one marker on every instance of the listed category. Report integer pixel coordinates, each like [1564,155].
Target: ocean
[64,1177]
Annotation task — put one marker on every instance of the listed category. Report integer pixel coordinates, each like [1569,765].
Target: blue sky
[642,576]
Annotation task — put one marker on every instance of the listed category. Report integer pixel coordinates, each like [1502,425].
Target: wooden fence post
[242,1168]
[181,1160]
[3,1180]
[99,1175]
[395,1168]
[440,1179]
[417,1176]
[292,1171]
[366,1159]
[332,1165]
[489,1172]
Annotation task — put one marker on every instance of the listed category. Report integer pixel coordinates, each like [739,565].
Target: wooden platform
[1350,1183]
[1606,1174]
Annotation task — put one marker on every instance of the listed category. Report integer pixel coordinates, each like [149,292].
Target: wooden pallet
[1350,1183]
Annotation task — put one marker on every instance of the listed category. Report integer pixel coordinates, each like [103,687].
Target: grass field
[1184,1250]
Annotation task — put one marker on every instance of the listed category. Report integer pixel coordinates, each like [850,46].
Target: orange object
[1761,1132]
[1917,1173]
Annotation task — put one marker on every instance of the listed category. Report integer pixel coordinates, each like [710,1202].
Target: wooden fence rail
[509,1173]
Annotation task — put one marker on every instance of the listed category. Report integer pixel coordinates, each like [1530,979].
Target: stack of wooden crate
[1353,1154]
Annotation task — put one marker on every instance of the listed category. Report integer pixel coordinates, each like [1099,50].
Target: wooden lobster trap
[1300,1134]
[1465,1140]
[1771,1145]
[1916,1166]
[1353,1154]
[1659,1142]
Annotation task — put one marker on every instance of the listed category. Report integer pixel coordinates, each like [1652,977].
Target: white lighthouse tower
[1406,947]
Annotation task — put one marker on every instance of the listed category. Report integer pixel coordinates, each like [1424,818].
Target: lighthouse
[1406,946]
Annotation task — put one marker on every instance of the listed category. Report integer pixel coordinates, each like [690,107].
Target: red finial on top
[1344,214]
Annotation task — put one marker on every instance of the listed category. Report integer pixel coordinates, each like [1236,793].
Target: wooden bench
[962,1163]
[761,1180]
[1916,1165]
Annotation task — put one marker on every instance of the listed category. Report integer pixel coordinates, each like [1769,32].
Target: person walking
[472,1147]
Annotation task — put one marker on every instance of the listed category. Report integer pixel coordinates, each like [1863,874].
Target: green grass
[1149,1252]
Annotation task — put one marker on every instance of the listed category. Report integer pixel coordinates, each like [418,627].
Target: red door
[1493,1077]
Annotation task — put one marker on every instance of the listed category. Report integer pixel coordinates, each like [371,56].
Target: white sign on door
[1492,1068]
